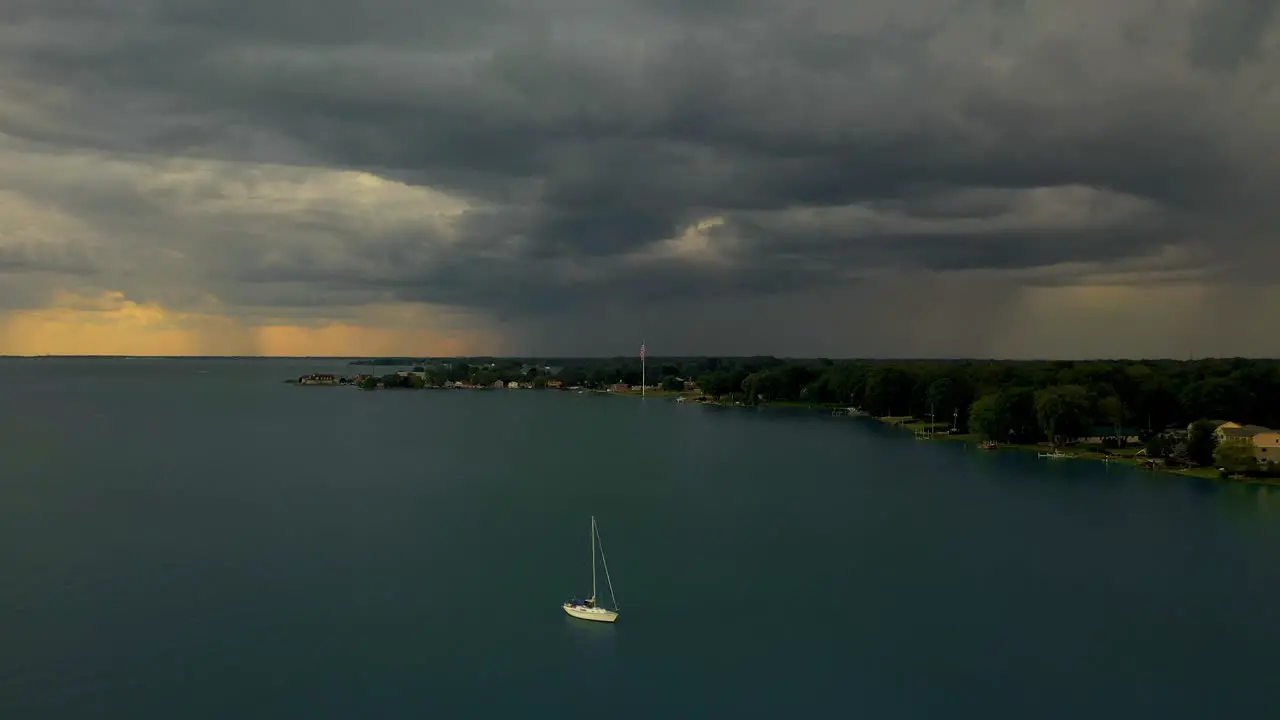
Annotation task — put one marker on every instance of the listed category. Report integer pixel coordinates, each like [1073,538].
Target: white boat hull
[597,614]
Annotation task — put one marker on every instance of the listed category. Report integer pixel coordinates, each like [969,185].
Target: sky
[881,178]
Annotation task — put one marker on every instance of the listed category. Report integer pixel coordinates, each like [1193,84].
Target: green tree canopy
[1201,443]
[1235,458]
[1063,411]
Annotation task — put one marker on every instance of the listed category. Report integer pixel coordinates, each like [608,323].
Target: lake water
[194,539]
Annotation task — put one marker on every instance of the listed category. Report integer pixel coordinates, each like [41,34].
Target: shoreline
[900,423]
[1126,459]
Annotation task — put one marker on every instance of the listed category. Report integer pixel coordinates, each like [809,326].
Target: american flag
[641,351]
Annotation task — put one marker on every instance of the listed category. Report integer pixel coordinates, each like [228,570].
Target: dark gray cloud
[826,142]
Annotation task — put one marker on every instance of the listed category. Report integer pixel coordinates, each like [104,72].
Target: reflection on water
[595,641]
[1267,499]
[1256,500]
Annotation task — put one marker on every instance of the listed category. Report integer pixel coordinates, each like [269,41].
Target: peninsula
[1213,417]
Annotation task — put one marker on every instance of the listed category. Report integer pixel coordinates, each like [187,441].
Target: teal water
[194,539]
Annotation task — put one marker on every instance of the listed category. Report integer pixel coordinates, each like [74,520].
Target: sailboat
[589,609]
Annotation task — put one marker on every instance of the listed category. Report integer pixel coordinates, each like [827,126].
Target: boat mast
[593,558]
[612,595]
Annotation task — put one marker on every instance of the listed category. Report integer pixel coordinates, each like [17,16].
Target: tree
[1202,442]
[1219,397]
[951,396]
[888,390]
[988,418]
[369,383]
[1235,458]
[1160,445]
[715,383]
[1111,411]
[539,382]
[1020,405]
[572,376]
[1062,411]
[722,382]
[939,395]
[602,376]
[672,383]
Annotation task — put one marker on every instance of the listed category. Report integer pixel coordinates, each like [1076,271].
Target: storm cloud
[579,172]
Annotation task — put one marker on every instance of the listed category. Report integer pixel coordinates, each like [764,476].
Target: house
[1232,433]
[498,385]
[690,386]
[555,384]
[513,385]
[619,387]
[1266,446]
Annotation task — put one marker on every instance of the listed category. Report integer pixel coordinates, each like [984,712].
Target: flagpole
[642,375]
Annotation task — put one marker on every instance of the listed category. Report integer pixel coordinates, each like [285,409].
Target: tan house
[1266,446]
[1232,433]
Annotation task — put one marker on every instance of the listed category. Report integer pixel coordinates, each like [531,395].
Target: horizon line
[903,358]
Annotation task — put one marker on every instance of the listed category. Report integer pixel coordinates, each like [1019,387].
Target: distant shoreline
[694,397]
[1077,453]
[1127,459]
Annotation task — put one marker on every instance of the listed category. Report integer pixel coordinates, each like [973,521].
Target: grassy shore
[1124,456]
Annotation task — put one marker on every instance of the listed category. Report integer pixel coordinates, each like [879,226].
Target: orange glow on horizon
[113,325]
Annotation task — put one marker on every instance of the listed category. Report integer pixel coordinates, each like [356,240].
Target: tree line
[1006,401]
[1024,400]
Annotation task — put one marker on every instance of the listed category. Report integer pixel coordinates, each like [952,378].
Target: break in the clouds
[811,176]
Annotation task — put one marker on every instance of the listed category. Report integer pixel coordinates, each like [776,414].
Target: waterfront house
[1266,446]
[555,384]
[498,385]
[513,385]
[1233,434]
[619,387]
